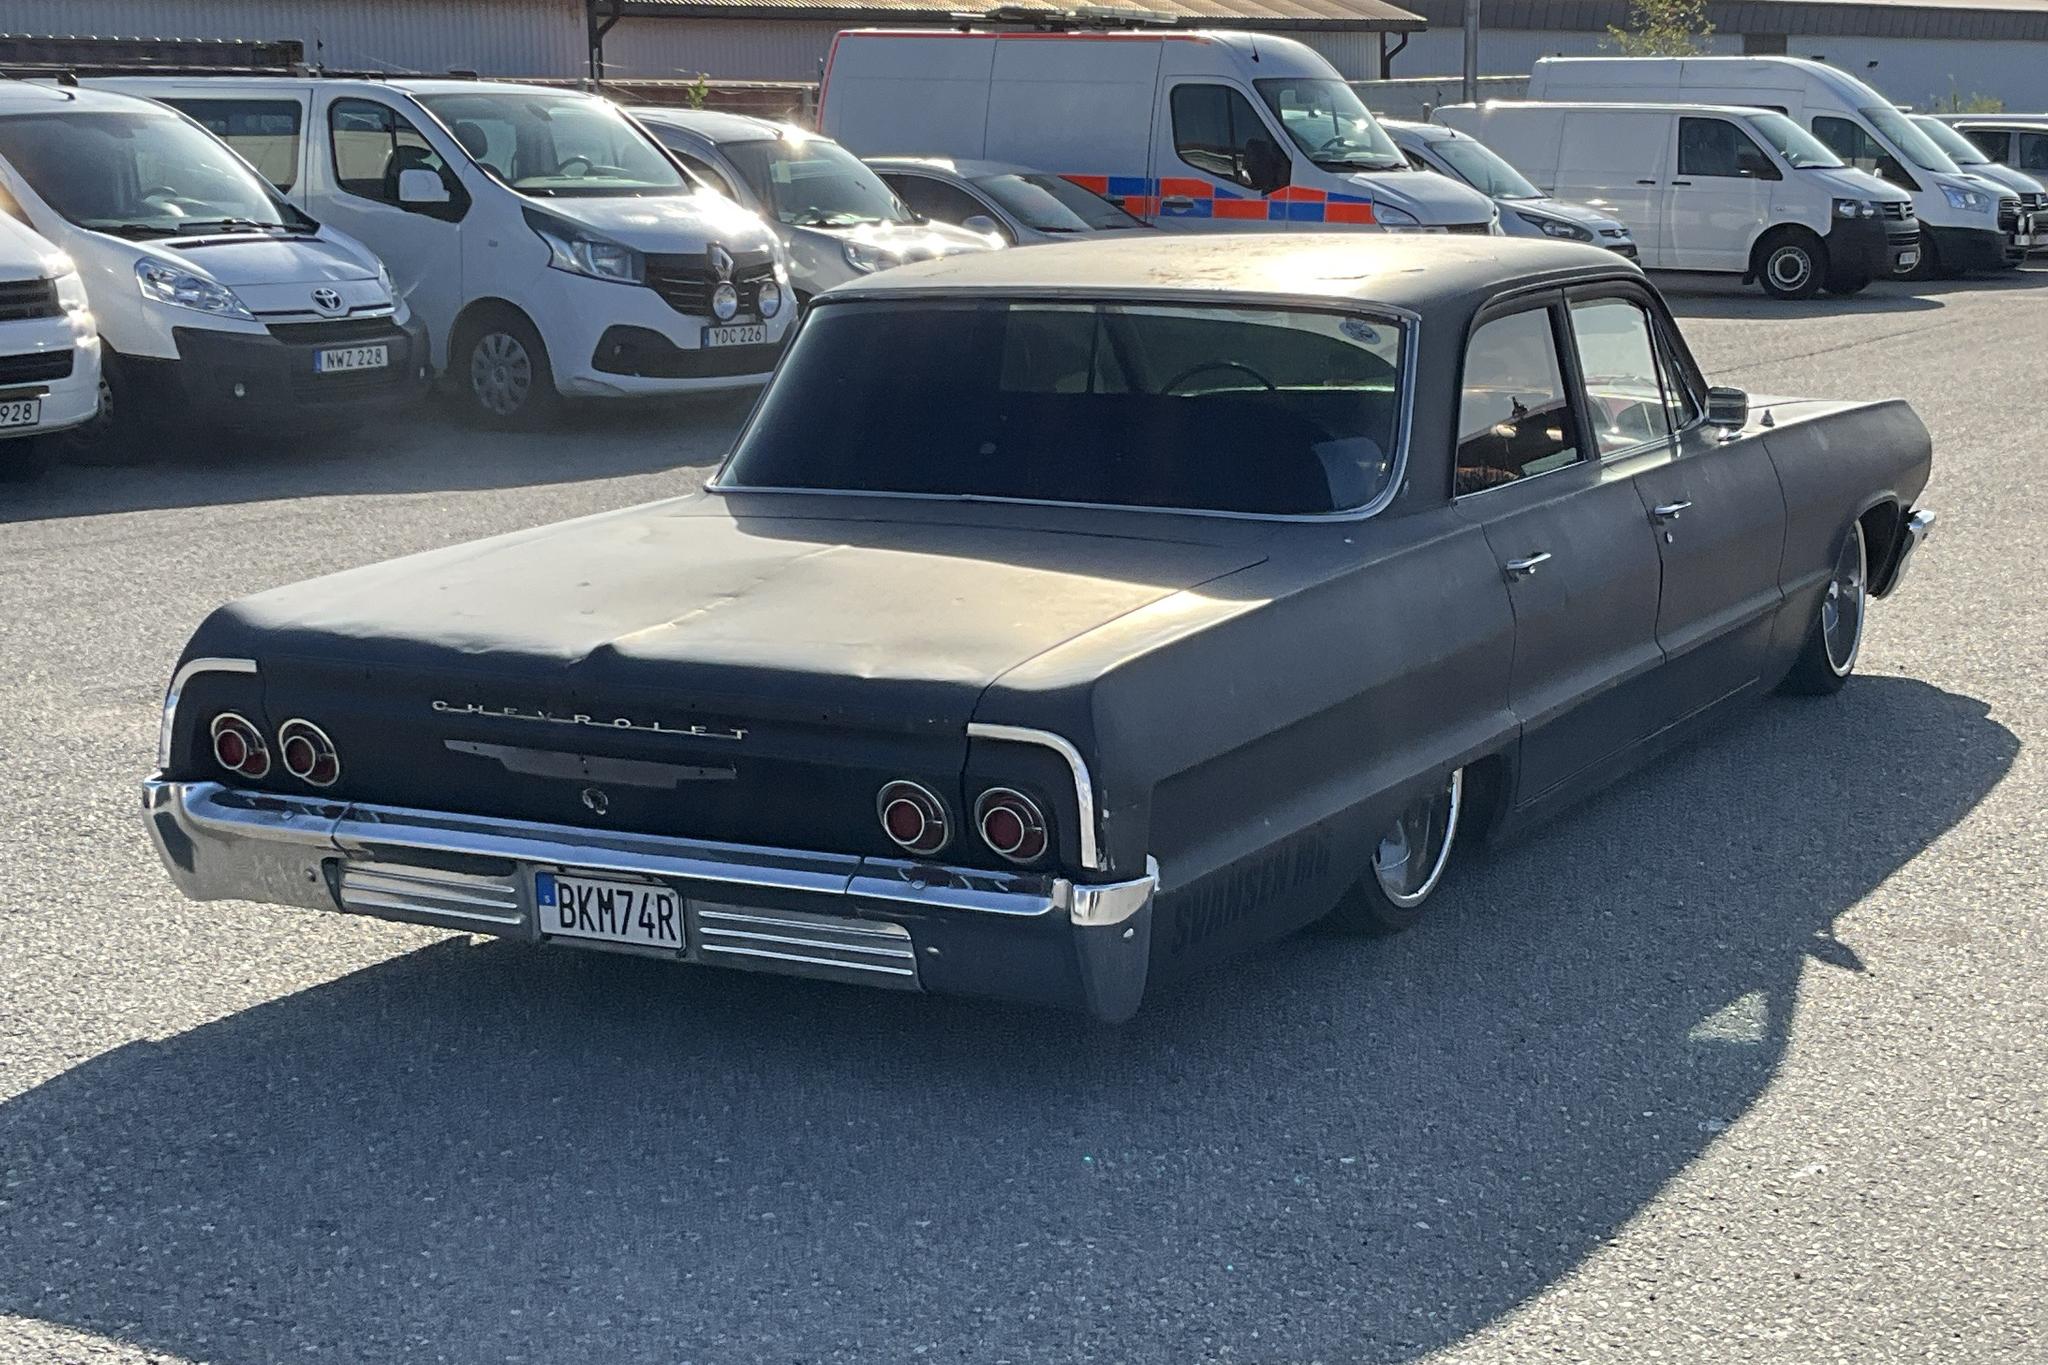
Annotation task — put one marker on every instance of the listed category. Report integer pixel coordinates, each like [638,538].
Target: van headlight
[579,251]
[866,258]
[1964,198]
[1555,227]
[1388,216]
[182,288]
[1855,208]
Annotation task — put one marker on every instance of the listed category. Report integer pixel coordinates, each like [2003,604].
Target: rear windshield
[1259,410]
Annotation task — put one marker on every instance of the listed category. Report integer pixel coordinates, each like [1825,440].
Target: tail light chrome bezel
[934,827]
[320,764]
[1033,836]
[254,763]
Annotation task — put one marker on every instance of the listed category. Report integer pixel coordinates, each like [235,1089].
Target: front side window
[1960,149]
[814,182]
[1227,409]
[1852,142]
[1895,128]
[707,174]
[937,200]
[139,173]
[1330,124]
[1624,379]
[1052,204]
[265,132]
[373,145]
[1802,150]
[557,146]
[1716,147]
[1216,130]
[1514,419]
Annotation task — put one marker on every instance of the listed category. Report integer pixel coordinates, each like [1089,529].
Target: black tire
[1929,266]
[118,433]
[1390,898]
[1790,263]
[499,366]
[1853,284]
[1835,638]
[26,457]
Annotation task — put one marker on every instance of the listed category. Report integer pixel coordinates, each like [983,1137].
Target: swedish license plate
[608,910]
[21,412]
[341,358]
[749,334]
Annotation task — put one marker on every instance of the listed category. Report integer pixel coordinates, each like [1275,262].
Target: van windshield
[139,173]
[1898,130]
[1228,409]
[1960,149]
[814,182]
[557,146]
[1479,166]
[1330,125]
[1801,149]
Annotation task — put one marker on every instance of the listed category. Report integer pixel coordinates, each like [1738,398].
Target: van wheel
[1928,267]
[25,458]
[1408,862]
[1852,284]
[1791,263]
[502,368]
[114,435]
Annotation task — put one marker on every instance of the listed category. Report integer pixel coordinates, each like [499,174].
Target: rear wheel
[1791,263]
[502,367]
[1836,636]
[1408,863]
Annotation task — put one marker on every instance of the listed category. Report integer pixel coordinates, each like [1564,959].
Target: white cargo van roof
[1275,56]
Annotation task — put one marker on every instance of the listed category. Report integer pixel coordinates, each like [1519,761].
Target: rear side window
[372,144]
[1266,410]
[2031,151]
[1215,129]
[1716,147]
[265,132]
[1514,419]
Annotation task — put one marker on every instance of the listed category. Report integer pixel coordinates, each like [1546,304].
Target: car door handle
[1646,182]
[1669,511]
[1522,568]
[1686,183]
[1177,201]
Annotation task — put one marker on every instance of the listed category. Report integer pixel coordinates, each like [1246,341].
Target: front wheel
[1791,265]
[502,366]
[1836,636]
[1408,862]
[1929,266]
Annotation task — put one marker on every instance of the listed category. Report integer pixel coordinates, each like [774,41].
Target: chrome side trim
[1102,906]
[1084,785]
[373,888]
[191,669]
[835,947]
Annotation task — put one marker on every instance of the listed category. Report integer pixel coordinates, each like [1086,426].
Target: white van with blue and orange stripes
[1192,130]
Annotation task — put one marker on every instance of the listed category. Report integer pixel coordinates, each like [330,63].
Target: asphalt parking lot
[1746,1059]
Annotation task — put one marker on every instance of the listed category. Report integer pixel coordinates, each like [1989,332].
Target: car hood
[252,259]
[911,241]
[1433,199]
[666,224]
[1851,183]
[743,615]
[2005,179]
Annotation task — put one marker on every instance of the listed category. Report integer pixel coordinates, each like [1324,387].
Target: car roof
[714,124]
[1415,272]
[965,167]
[37,97]
[1420,132]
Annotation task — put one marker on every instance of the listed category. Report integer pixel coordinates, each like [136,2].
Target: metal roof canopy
[1279,16]
[1996,20]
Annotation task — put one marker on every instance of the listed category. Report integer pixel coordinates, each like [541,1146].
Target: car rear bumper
[1027,937]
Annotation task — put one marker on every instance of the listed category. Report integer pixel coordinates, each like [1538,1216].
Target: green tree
[1956,102]
[1664,28]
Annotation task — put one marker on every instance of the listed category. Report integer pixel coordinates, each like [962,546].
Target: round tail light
[307,753]
[238,746]
[913,818]
[1011,824]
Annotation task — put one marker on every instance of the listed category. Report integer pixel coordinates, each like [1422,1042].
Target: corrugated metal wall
[495,37]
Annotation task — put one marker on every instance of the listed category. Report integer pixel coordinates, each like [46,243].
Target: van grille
[336,332]
[21,300]
[34,368]
[1895,209]
[685,282]
[2008,215]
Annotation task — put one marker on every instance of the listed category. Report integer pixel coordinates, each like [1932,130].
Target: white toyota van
[1190,130]
[215,301]
[49,352]
[549,244]
[1966,223]
[1710,188]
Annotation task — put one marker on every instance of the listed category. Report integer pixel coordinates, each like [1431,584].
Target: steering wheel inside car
[1205,366]
[562,166]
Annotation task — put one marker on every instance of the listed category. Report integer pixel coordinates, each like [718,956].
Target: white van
[1187,129]
[836,218]
[49,352]
[214,301]
[550,245]
[1966,224]
[1711,188]
[1525,211]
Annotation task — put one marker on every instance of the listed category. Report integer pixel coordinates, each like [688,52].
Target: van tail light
[1011,824]
[238,746]
[913,818]
[307,753]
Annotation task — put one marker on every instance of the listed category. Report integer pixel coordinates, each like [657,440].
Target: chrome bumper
[874,921]
[1919,526]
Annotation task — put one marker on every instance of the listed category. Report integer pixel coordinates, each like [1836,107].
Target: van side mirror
[1728,408]
[1265,165]
[421,186]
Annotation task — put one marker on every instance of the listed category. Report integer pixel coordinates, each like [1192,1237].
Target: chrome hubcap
[500,373]
[1412,855]
[1789,267]
[1841,610]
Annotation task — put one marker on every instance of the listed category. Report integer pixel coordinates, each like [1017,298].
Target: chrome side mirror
[1728,408]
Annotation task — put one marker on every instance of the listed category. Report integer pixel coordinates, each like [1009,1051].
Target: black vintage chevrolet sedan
[1062,621]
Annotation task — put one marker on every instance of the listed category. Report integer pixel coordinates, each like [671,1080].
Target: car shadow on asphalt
[416,447]
[1363,1151]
